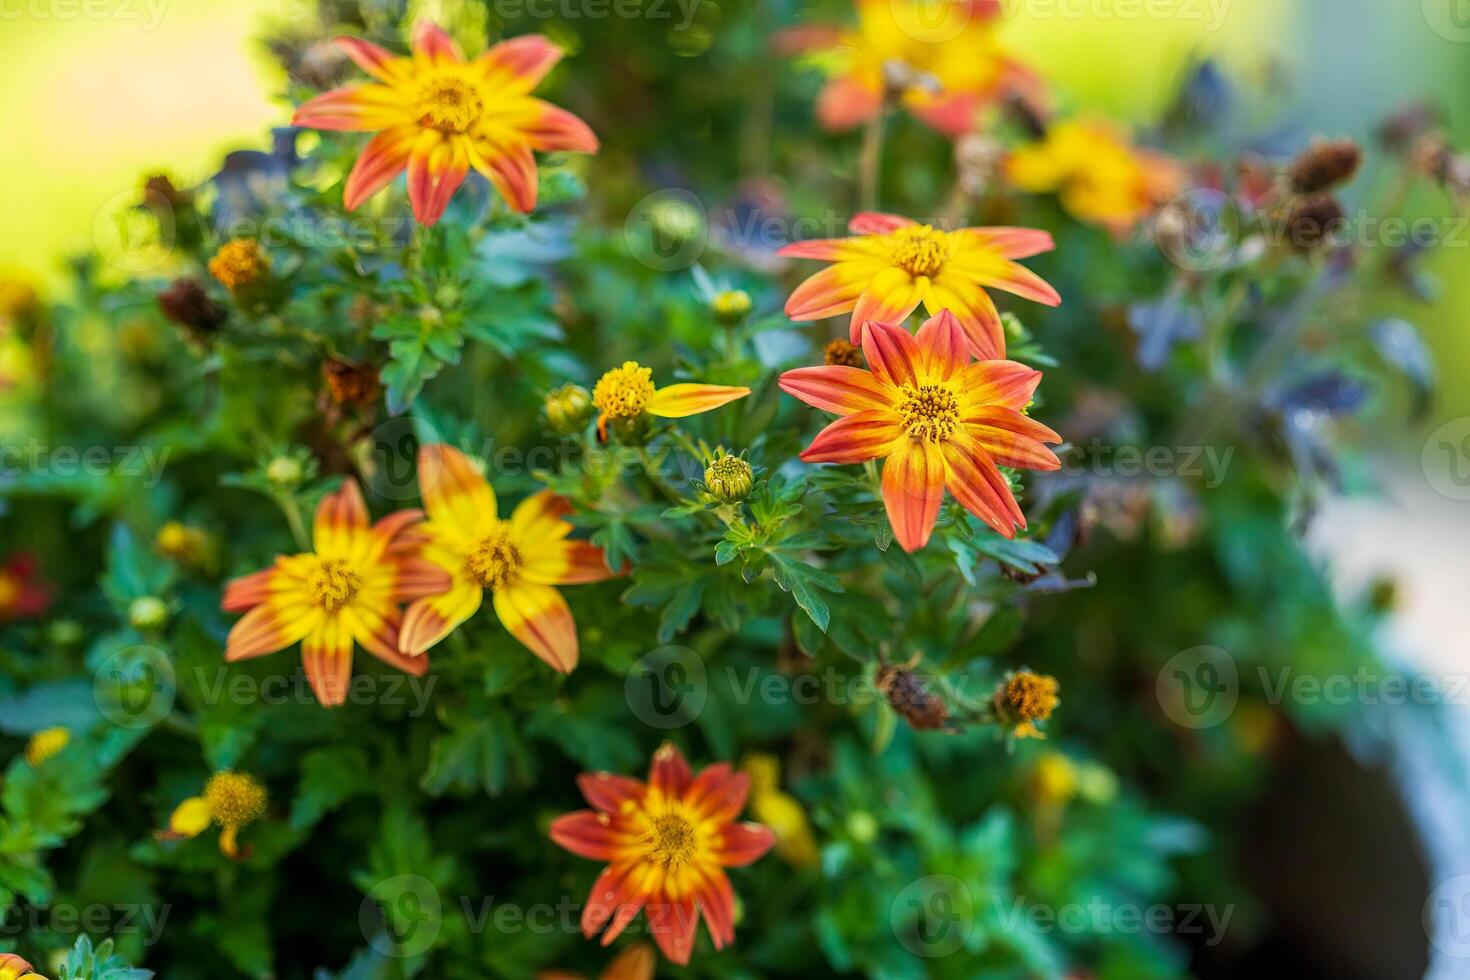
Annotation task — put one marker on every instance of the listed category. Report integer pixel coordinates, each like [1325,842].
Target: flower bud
[731,306]
[1324,165]
[351,385]
[188,304]
[148,613]
[843,354]
[46,744]
[728,478]
[1024,698]
[568,408]
[240,264]
[284,472]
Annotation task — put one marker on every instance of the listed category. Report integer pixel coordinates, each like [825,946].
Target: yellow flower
[231,800]
[1053,780]
[12,967]
[1101,177]
[47,743]
[239,264]
[182,543]
[779,810]
[626,393]
[1023,698]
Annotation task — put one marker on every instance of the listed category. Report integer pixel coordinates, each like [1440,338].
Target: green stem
[870,162]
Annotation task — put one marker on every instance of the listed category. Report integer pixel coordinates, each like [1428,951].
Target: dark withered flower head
[1310,222]
[843,354]
[188,304]
[1324,165]
[351,385]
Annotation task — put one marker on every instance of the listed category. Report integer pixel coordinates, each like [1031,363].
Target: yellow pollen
[673,841]
[334,583]
[919,250]
[448,105]
[623,392]
[930,412]
[234,799]
[495,562]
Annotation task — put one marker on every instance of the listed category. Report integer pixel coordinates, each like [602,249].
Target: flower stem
[870,162]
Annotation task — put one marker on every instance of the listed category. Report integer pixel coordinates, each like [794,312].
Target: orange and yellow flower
[626,393]
[943,62]
[520,561]
[1101,177]
[937,420]
[667,843]
[893,265]
[12,967]
[347,591]
[437,115]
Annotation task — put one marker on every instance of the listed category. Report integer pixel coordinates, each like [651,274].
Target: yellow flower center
[496,561]
[623,392]
[919,250]
[334,583]
[673,841]
[930,412]
[448,105]
[234,799]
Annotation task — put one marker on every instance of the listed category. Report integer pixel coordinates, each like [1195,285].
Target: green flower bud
[862,827]
[731,306]
[728,478]
[284,472]
[568,408]
[148,613]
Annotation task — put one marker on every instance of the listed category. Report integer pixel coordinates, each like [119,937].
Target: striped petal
[892,353]
[591,835]
[683,400]
[431,43]
[430,620]
[408,577]
[996,417]
[857,438]
[383,159]
[567,563]
[980,488]
[913,488]
[837,388]
[326,656]
[519,63]
[831,292]
[511,170]
[890,297]
[555,129]
[248,591]
[608,791]
[743,843]
[540,518]
[672,924]
[826,249]
[341,517]
[378,633]
[268,628]
[877,223]
[1007,384]
[539,617]
[1013,439]
[717,903]
[437,165]
[355,109]
[454,492]
[613,902]
[717,794]
[973,309]
[943,346]
[1023,282]
[1010,243]
[378,62]
[669,773]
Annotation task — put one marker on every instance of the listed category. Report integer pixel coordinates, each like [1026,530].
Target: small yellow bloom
[1053,780]
[626,393]
[239,264]
[780,811]
[46,744]
[1023,698]
[731,306]
[231,800]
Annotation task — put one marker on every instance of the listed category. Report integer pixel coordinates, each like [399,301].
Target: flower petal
[383,159]
[1013,439]
[589,834]
[567,563]
[743,843]
[608,791]
[634,963]
[682,400]
[355,109]
[846,102]
[717,903]
[519,64]
[326,656]
[539,617]
[980,488]
[437,165]
[248,591]
[668,773]
[1004,383]
[454,492]
[268,628]
[672,924]
[555,129]
[378,632]
[1010,243]
[613,902]
[877,223]
[837,388]
[857,438]
[943,345]
[832,291]
[378,62]
[340,519]
[892,353]
[913,488]
[510,168]
[717,794]
[890,297]
[541,517]
[973,309]
[1023,282]
[430,620]
[432,43]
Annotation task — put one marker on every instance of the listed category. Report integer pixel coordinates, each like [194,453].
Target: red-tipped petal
[980,488]
[340,518]
[832,291]
[913,488]
[384,158]
[454,492]
[248,591]
[326,656]
[1010,243]
[857,438]
[377,631]
[590,835]
[1007,384]
[539,617]
[613,903]
[892,353]
[944,347]
[268,628]
[973,309]
[430,620]
[1023,282]
[669,773]
[567,563]
[511,169]
[437,165]
[717,794]
[378,62]
[890,297]
[717,902]
[682,400]
[520,63]
[837,388]
[355,109]
[743,843]
[672,924]
[555,129]
[608,791]
[432,42]
[825,249]
[877,223]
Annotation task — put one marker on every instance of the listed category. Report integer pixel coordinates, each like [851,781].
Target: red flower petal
[669,773]
[743,843]
[608,792]
[944,346]
[877,223]
[892,353]
[837,388]
[590,835]
[913,488]
[857,438]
